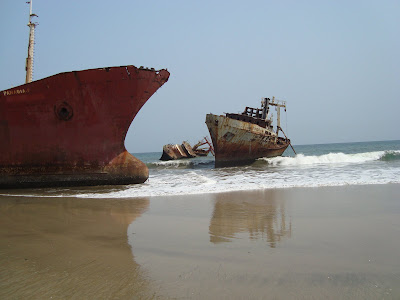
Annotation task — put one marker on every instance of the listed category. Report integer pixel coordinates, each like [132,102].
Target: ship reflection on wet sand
[323,243]
[264,218]
[214,240]
[66,248]
[280,243]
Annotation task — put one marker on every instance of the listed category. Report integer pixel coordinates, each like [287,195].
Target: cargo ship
[69,129]
[240,139]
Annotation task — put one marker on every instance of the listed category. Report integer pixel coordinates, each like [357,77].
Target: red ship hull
[69,129]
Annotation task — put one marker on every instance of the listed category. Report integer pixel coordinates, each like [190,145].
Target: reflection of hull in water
[238,142]
[69,129]
[263,217]
[70,248]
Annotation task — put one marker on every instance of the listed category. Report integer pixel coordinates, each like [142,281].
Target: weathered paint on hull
[238,143]
[69,129]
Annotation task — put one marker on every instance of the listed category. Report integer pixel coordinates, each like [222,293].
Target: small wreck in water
[242,138]
[172,152]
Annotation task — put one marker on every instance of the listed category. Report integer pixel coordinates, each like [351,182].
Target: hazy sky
[336,63]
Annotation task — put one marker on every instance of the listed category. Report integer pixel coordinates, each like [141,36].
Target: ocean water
[361,163]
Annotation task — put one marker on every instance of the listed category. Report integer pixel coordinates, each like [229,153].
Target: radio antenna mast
[29,59]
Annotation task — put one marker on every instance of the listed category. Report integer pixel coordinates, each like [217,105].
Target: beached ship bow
[70,128]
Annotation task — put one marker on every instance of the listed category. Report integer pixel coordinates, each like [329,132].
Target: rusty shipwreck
[240,139]
[69,129]
[172,152]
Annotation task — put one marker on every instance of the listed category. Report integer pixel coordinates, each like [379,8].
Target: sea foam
[176,178]
[331,158]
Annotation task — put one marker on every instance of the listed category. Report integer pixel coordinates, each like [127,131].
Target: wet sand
[303,243]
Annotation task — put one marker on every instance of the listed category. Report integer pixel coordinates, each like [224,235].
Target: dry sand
[303,243]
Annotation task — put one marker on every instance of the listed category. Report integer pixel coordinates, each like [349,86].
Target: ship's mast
[278,104]
[29,59]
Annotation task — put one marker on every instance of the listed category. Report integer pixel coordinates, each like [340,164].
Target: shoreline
[96,195]
[286,243]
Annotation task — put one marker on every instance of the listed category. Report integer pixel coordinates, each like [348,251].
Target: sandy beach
[299,243]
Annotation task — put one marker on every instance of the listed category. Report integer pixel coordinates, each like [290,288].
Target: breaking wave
[391,155]
[298,160]
[180,164]
[171,164]
[333,158]
[198,175]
